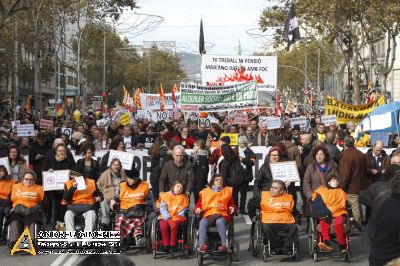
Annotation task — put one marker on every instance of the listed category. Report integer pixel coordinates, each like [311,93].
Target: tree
[353,24]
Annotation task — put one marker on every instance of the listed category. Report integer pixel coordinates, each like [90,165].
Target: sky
[225,22]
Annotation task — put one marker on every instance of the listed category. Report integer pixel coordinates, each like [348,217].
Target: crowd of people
[336,177]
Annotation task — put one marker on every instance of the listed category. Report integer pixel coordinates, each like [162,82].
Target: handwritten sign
[126,158]
[55,180]
[285,171]
[234,138]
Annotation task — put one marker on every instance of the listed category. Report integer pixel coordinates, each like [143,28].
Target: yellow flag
[24,243]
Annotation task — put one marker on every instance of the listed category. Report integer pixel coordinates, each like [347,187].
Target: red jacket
[187,144]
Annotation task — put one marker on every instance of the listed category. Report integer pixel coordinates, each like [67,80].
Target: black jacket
[37,164]
[94,171]
[249,155]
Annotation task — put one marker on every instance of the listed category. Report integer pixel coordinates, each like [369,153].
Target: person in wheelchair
[6,183]
[132,197]
[173,206]
[216,205]
[278,214]
[27,200]
[80,200]
[329,205]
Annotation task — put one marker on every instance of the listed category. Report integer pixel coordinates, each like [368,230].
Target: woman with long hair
[91,167]
[18,165]
[116,144]
[155,172]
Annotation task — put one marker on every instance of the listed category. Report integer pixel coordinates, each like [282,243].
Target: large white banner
[219,70]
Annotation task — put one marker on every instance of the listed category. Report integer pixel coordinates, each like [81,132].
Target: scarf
[241,154]
[215,189]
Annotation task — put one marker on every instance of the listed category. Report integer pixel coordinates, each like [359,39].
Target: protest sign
[126,158]
[55,180]
[4,161]
[234,138]
[240,119]
[285,171]
[63,130]
[104,121]
[44,123]
[223,98]
[205,121]
[96,105]
[328,119]
[160,116]
[152,101]
[345,112]
[14,125]
[81,182]
[302,121]
[25,130]
[272,122]
[125,119]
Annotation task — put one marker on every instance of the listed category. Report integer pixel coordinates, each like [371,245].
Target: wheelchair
[259,242]
[7,226]
[129,242]
[213,241]
[315,236]
[156,240]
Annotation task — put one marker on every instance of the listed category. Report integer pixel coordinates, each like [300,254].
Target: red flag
[173,96]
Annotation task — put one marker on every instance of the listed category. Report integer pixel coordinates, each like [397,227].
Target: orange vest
[5,188]
[84,196]
[175,203]
[334,199]
[130,197]
[27,196]
[215,202]
[276,210]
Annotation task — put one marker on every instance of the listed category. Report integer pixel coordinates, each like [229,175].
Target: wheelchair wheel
[315,256]
[312,238]
[192,236]
[347,256]
[199,258]
[256,238]
[265,253]
[236,249]
[153,237]
[228,261]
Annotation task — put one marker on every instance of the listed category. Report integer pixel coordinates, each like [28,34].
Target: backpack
[237,174]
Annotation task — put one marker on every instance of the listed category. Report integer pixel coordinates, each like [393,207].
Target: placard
[302,121]
[63,130]
[96,105]
[4,161]
[205,121]
[81,183]
[44,123]
[25,130]
[272,122]
[285,171]
[160,116]
[55,180]
[240,119]
[234,138]
[328,119]
[106,122]
[14,125]
[126,158]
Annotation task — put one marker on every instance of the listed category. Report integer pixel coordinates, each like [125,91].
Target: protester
[352,170]
[179,168]
[6,184]
[91,167]
[18,165]
[183,139]
[200,167]
[376,162]
[385,242]
[329,144]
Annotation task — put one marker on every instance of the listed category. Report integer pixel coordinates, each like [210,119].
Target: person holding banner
[264,178]
[108,184]
[59,161]
[18,165]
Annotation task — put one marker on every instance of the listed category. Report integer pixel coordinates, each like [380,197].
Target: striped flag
[162,98]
